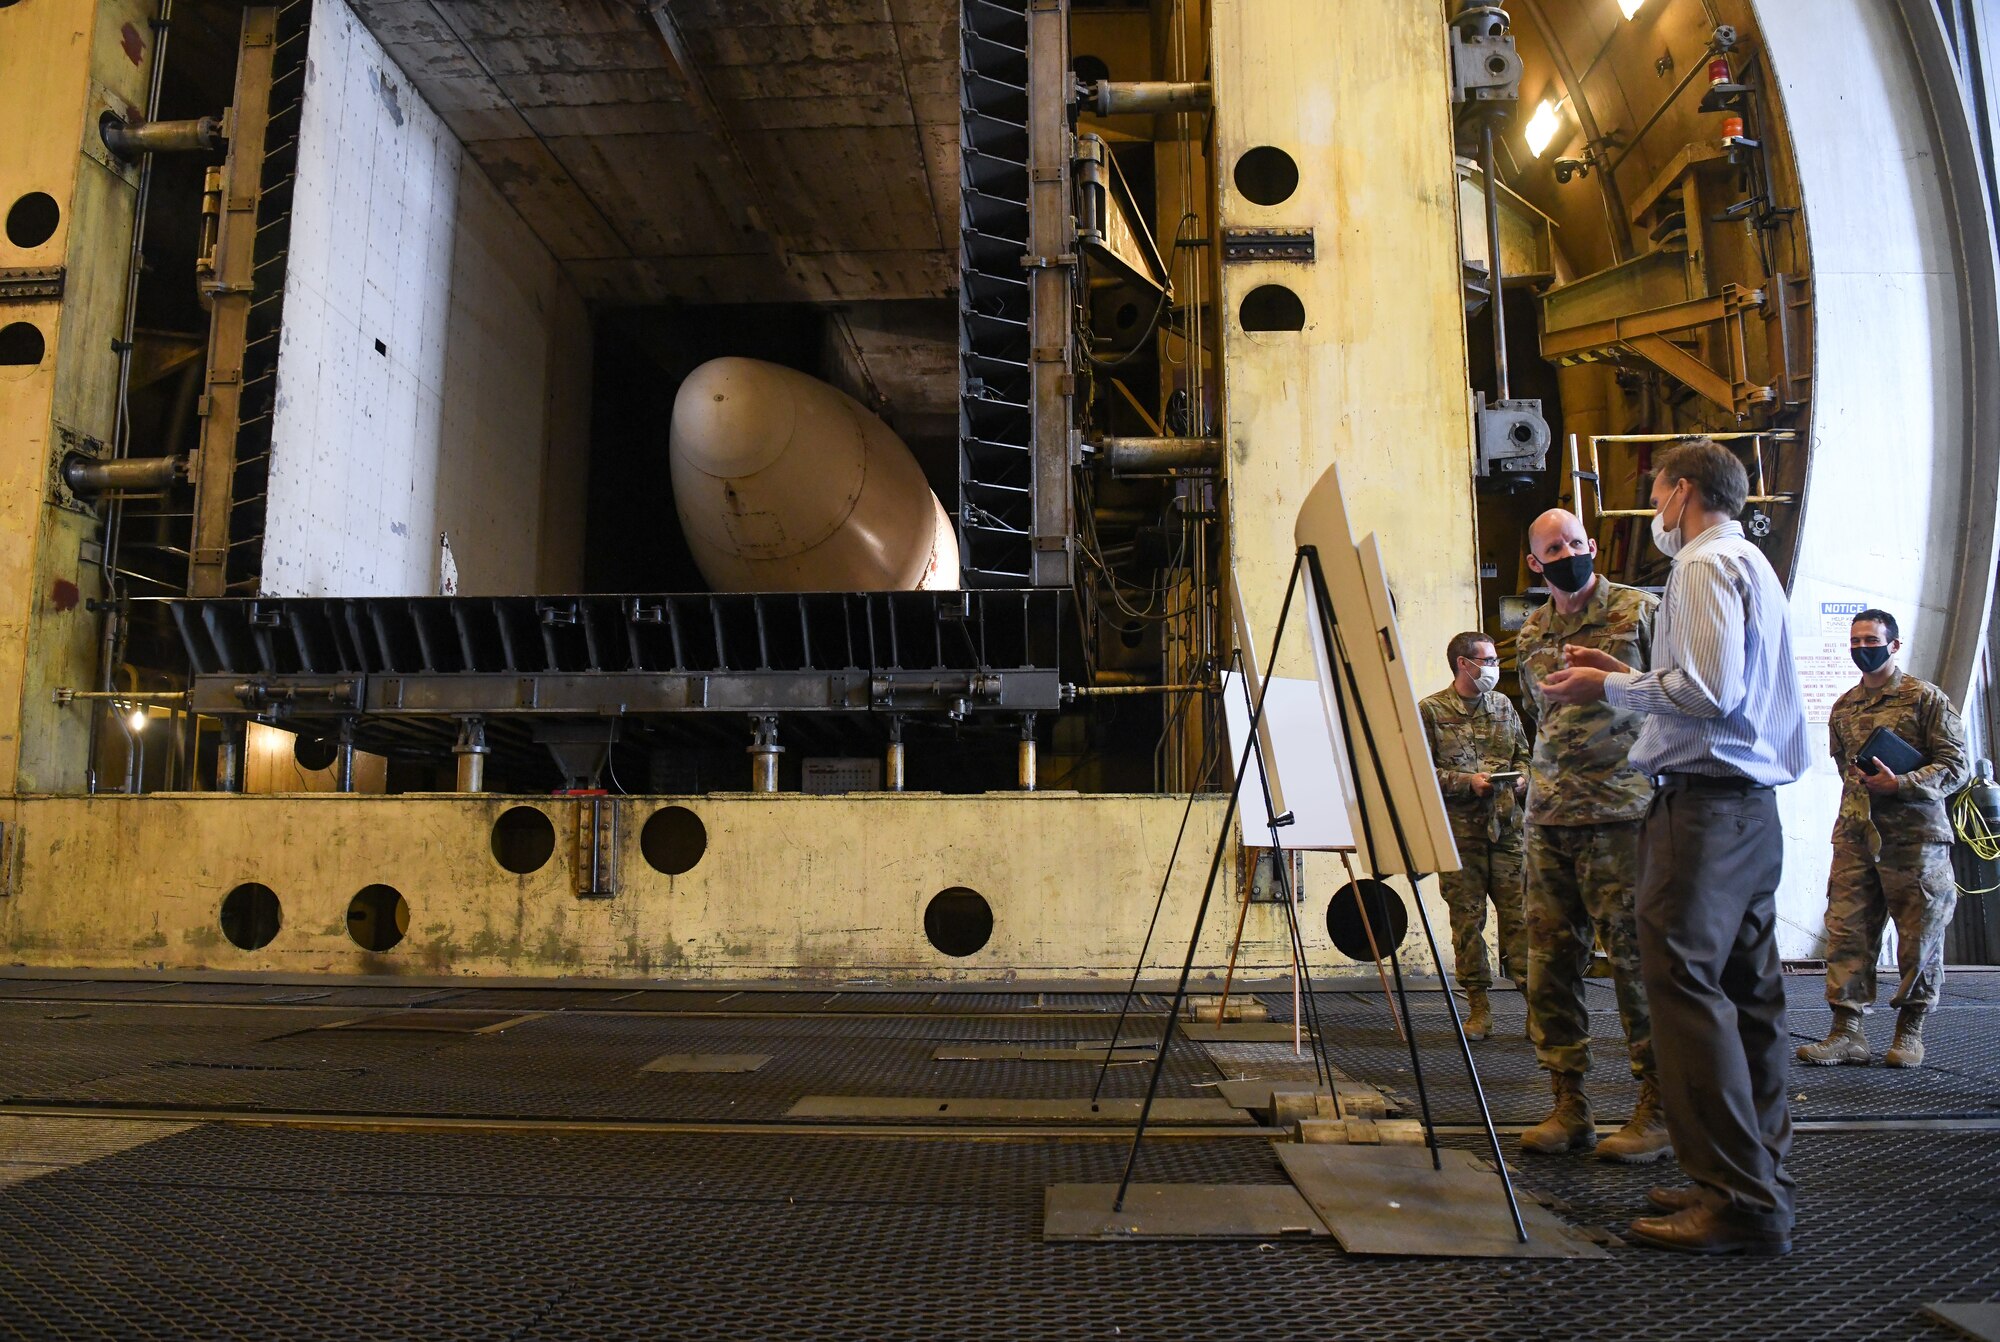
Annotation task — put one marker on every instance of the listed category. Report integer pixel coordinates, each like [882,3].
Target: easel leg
[1201,910]
[1374,948]
[1330,622]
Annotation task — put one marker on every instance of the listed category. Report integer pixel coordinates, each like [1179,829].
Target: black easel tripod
[1345,684]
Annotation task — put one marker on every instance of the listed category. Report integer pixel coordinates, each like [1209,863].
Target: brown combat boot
[1570,1127]
[1478,1014]
[1844,1043]
[1643,1140]
[1908,1048]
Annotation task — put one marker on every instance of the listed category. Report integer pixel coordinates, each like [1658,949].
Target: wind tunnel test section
[808,474]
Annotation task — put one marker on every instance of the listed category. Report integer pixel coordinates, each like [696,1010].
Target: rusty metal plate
[1240,1032]
[438,1022]
[1388,1200]
[1092,1052]
[707,1062]
[1980,1322]
[1178,1211]
[911,1108]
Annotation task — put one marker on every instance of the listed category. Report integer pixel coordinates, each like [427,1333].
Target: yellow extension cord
[1971,828]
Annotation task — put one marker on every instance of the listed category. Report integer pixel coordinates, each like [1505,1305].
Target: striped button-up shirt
[1723,695]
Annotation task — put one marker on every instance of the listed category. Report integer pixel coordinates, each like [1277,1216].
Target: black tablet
[1890,749]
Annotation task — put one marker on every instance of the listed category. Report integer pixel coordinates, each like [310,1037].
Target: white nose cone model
[785,484]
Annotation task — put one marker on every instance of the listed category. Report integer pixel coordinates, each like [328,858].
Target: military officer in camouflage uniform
[1891,849]
[1585,804]
[1475,733]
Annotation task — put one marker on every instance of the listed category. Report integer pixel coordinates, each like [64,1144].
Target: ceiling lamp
[1631,7]
[1542,127]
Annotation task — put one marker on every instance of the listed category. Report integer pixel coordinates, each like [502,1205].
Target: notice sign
[1825,670]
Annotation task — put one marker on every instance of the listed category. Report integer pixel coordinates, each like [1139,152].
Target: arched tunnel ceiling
[1628,70]
[707,150]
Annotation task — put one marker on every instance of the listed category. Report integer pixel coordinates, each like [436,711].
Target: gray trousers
[1709,861]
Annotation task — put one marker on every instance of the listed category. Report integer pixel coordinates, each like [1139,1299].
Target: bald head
[1556,533]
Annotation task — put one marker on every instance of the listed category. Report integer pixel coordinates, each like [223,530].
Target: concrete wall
[433,375]
[1890,510]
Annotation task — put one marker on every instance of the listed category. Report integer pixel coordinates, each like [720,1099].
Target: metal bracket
[1512,435]
[27,285]
[1268,244]
[1485,68]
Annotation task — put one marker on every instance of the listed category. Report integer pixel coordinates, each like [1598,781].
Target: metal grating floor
[300,1230]
[245,1233]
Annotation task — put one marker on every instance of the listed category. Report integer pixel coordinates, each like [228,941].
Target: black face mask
[1569,574]
[1869,659]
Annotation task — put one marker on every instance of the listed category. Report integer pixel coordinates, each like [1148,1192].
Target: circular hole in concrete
[524,839]
[314,752]
[1089,69]
[1386,918]
[1272,307]
[958,921]
[32,219]
[1127,316]
[21,345]
[672,840]
[377,917]
[251,916]
[1266,175]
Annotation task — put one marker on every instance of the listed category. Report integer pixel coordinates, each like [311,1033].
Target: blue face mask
[1869,659]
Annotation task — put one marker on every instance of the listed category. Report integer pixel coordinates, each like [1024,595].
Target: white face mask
[1668,540]
[1489,676]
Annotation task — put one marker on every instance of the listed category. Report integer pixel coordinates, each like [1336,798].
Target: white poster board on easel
[1301,745]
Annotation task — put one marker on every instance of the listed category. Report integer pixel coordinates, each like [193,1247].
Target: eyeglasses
[1483,661]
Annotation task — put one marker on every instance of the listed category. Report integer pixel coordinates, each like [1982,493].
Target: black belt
[1736,783]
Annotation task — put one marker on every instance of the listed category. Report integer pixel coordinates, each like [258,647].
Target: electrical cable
[1972,830]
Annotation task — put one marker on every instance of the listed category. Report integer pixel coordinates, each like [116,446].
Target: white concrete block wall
[416,365]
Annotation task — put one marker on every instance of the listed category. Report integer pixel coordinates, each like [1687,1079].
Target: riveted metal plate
[1238,1032]
[1267,244]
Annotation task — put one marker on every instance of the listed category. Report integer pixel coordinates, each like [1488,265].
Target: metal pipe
[1026,770]
[893,758]
[229,758]
[343,759]
[1083,691]
[88,477]
[764,751]
[132,140]
[1158,454]
[1495,276]
[64,695]
[1149,98]
[472,751]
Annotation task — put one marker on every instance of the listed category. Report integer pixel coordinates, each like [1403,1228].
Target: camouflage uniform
[1585,802]
[1467,737]
[1892,855]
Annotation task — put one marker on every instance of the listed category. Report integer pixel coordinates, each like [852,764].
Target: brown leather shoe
[1674,1199]
[1699,1230]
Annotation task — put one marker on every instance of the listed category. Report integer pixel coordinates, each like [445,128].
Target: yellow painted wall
[789,886]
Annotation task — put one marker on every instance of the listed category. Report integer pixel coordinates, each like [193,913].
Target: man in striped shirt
[1726,725]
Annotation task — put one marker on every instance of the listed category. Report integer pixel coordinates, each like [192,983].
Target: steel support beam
[230,292]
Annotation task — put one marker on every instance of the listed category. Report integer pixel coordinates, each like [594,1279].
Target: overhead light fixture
[1631,7]
[138,719]
[1542,127]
